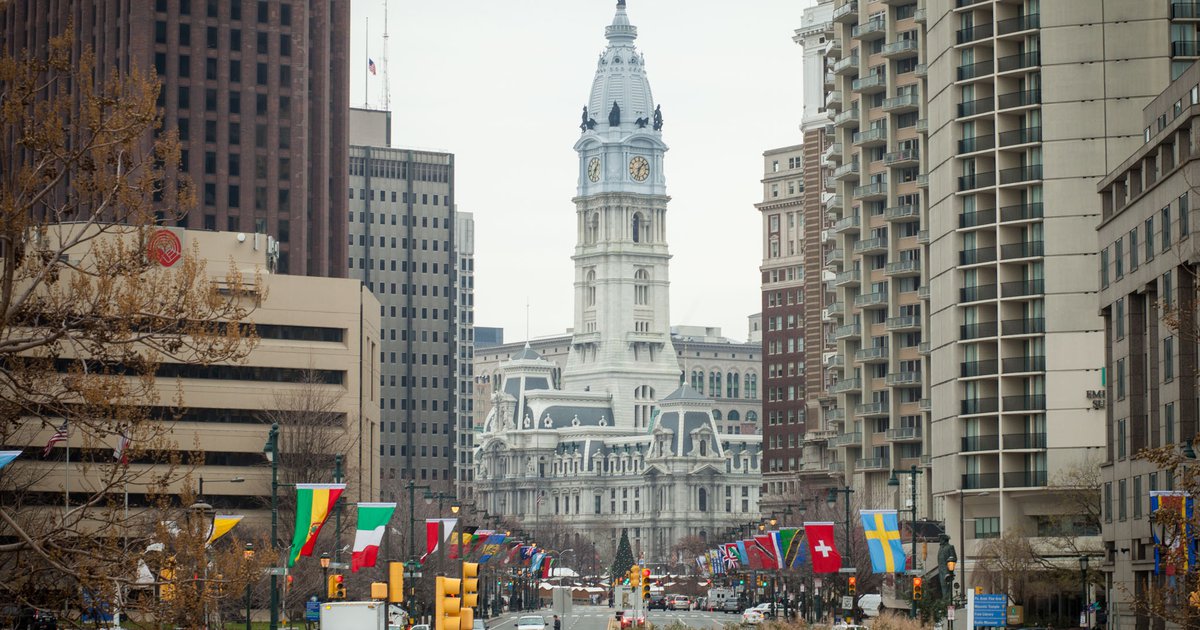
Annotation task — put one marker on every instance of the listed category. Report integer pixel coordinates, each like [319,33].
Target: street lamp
[894,482]
[200,493]
[831,501]
[248,554]
[1083,571]
[271,450]
[325,571]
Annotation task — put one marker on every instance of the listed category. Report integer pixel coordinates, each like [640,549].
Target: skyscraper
[258,92]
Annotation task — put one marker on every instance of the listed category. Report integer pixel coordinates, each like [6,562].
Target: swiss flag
[822,547]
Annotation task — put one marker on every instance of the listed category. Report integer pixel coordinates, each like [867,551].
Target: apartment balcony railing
[977,106]
[1022,441]
[836,361]
[921,71]
[900,49]
[1025,402]
[978,180]
[1022,212]
[879,298]
[847,117]
[904,157]
[925,404]
[977,293]
[922,182]
[1024,364]
[847,224]
[1021,174]
[871,191]
[902,213]
[986,216]
[873,28]
[833,45]
[834,203]
[846,64]
[966,3]
[1019,61]
[1026,249]
[985,367]
[979,481]
[1021,288]
[849,331]
[902,268]
[977,143]
[834,150]
[1018,24]
[903,322]
[1025,479]
[873,354]
[976,443]
[1021,136]
[836,414]
[846,171]
[846,12]
[903,434]
[922,125]
[872,463]
[989,404]
[836,308]
[978,330]
[974,70]
[902,378]
[834,99]
[923,292]
[926,461]
[923,348]
[1023,98]
[871,83]
[876,135]
[846,439]
[871,245]
[835,255]
[1023,326]
[903,103]
[877,408]
[972,33]
[920,16]
[977,256]
[830,79]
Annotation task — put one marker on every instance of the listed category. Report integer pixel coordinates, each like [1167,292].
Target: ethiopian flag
[372,522]
[314,501]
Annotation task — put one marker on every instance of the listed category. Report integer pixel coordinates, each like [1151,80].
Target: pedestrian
[557,623]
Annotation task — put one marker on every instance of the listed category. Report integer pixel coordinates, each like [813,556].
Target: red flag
[766,549]
[754,553]
[822,547]
[432,529]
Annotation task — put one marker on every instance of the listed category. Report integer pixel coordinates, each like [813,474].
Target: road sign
[412,575]
[312,611]
[847,602]
[950,613]
[991,610]
[339,565]
[847,570]
[276,570]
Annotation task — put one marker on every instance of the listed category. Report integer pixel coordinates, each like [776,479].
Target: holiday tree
[624,560]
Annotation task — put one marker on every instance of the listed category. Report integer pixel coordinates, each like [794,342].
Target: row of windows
[732,383]
[212,9]
[212,39]
[1142,247]
[1140,498]
[793,296]
[396,169]
[785,370]
[438,200]
[365,217]
[792,416]
[262,72]
[1176,110]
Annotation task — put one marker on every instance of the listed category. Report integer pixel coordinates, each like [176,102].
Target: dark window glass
[234,224]
[285,75]
[262,11]
[185,128]
[235,164]
[210,196]
[210,131]
[261,73]
[235,102]
[235,71]
[210,37]
[285,45]
[262,43]
[235,10]
[260,104]
[160,32]
[185,66]
[210,100]
[160,64]
[184,96]
[235,196]
[285,105]
[235,39]
[210,163]
[212,8]
[235,133]
[210,69]
[285,14]
[210,222]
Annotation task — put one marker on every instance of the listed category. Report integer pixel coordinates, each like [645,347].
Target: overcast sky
[500,83]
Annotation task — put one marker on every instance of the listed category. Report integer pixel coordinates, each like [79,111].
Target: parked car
[729,605]
[630,618]
[680,602]
[657,601]
[768,609]
[531,622]
[752,616]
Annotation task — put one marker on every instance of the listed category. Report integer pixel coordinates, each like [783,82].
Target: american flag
[60,435]
[121,453]
[371,65]
[541,498]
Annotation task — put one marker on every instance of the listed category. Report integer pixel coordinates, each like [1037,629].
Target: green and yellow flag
[314,502]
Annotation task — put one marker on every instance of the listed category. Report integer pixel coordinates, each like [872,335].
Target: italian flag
[314,502]
[372,521]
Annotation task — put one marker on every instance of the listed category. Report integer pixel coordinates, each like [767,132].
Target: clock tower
[622,336]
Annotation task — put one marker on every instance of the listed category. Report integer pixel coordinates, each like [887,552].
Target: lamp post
[831,500]
[962,541]
[325,571]
[1083,571]
[271,450]
[894,482]
[248,554]
[950,564]
[200,493]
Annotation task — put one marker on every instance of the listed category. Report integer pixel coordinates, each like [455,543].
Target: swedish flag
[882,529]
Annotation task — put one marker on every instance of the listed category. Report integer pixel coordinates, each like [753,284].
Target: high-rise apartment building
[402,238]
[464,318]
[258,92]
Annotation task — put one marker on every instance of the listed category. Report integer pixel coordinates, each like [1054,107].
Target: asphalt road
[597,617]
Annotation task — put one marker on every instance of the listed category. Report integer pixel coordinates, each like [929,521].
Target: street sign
[276,570]
[991,610]
[412,575]
[339,565]
[816,582]
[847,602]
[312,611]
[847,570]
[950,613]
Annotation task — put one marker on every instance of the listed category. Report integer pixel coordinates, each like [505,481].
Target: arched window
[703,448]
[733,416]
[703,500]
[731,383]
[590,288]
[751,416]
[698,381]
[641,287]
[637,227]
[717,414]
[751,382]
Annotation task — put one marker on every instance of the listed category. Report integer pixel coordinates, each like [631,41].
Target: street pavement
[597,618]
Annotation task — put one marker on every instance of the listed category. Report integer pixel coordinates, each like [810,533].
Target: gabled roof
[526,353]
[685,392]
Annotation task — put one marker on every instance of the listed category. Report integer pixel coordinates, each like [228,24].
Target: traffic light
[852,586]
[336,589]
[979,590]
[635,576]
[470,595]
[395,582]
[645,585]
[446,603]
[741,582]
[918,588]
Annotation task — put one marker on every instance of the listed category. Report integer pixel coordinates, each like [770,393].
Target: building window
[987,527]
[637,227]
[1103,261]
[1149,239]
[1119,322]
[641,287]
[1168,359]
[1122,500]
[1137,497]
[589,288]
[1119,258]
[1165,217]
[1108,503]
[1168,423]
[1183,215]
[1120,378]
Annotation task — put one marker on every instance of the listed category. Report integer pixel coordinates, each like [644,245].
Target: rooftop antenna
[387,90]
[367,66]
[527,318]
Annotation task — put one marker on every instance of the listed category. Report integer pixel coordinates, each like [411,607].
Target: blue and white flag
[882,529]
[6,457]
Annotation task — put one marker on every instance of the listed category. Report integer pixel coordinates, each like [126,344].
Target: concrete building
[1148,268]
[613,439]
[402,239]
[319,333]
[464,317]
[258,92]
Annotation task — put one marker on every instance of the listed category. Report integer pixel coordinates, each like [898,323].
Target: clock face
[594,169]
[639,168]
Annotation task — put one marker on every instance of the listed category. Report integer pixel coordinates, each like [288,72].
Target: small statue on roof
[614,115]
[658,121]
[587,123]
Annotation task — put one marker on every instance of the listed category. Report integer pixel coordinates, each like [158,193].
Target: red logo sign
[164,248]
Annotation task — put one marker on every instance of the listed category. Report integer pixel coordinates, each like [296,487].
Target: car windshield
[531,621]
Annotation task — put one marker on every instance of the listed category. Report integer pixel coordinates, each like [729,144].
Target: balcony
[872,409]
[873,354]
[833,46]
[1024,326]
[978,330]
[976,443]
[870,84]
[923,292]
[871,245]
[836,255]
[1027,249]
[1022,288]
[925,404]
[850,278]
[977,293]
[921,71]
[871,192]
[926,461]
[834,203]
[1019,61]
[821,435]
[977,218]
[867,300]
[971,369]
[978,143]
[904,434]
[846,385]
[974,70]
[848,117]
[978,180]
[1024,441]
[830,79]
[1024,98]
[903,103]
[846,172]
[835,415]
[847,64]
[849,331]
[923,348]
[922,182]
[920,16]
[897,379]
[903,214]
[847,225]
[975,406]
[979,481]
[1021,136]
[1025,479]
[973,33]
[1021,174]
[873,28]
[1025,402]
[836,361]
[1018,24]
[1023,212]
[1188,48]
[922,125]
[845,439]
[903,158]
[845,13]
[834,99]
[1013,365]
[834,151]
[871,137]
[978,106]
[836,308]
[903,323]
[873,463]
[900,49]
[977,256]
[903,268]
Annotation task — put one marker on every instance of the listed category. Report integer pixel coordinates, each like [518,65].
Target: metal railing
[986,216]
[978,143]
[972,33]
[1020,99]
[977,292]
[1019,23]
[985,367]
[989,404]
[1021,174]
[973,443]
[1033,363]
[973,70]
[1022,212]
[978,330]
[1025,249]
[1024,326]
[977,256]
[978,180]
[1018,61]
[1023,287]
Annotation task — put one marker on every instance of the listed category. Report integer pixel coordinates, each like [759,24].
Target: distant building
[486,336]
[464,317]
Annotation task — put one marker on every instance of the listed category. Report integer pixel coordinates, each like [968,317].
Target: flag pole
[67,475]
[367,66]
